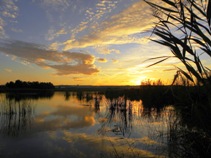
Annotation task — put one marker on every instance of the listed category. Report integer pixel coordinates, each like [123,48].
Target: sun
[137,81]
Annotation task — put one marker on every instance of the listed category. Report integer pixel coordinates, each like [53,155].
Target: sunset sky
[79,42]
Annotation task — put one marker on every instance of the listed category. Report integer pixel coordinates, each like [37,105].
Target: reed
[185,28]
[15,116]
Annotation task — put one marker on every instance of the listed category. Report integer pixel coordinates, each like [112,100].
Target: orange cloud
[115,61]
[102,60]
[64,63]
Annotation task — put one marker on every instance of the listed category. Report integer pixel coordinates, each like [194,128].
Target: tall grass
[15,116]
[184,27]
[182,139]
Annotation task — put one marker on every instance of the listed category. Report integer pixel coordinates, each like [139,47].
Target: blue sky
[79,42]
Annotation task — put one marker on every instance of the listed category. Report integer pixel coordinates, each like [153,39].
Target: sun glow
[137,81]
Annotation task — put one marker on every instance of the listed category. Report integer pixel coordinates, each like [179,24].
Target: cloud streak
[65,63]
[92,15]
[118,29]
[102,60]
[55,4]
[106,50]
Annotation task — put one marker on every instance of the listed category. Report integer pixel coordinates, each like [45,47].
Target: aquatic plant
[15,116]
[184,26]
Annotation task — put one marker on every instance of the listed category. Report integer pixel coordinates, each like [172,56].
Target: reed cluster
[185,28]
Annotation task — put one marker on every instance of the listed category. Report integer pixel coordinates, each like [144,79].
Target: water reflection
[67,95]
[16,116]
[64,117]
[121,111]
[91,124]
[26,95]
[127,121]
[97,104]
[17,110]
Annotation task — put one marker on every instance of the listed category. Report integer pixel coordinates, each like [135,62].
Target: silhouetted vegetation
[18,84]
[16,116]
[185,28]
[149,82]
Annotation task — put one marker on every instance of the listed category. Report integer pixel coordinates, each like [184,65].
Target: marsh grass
[187,138]
[188,121]
[120,123]
[184,27]
[15,116]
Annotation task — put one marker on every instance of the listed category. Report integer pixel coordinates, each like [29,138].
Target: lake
[82,124]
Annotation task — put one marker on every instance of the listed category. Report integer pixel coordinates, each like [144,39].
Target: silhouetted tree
[30,85]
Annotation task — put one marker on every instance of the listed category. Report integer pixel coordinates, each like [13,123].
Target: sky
[79,42]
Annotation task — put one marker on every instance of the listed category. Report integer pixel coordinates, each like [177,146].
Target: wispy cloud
[103,7]
[91,21]
[102,60]
[64,63]
[2,31]
[58,10]
[118,29]
[92,15]
[55,4]
[115,61]
[78,79]
[8,10]
[105,50]
[8,70]
[53,33]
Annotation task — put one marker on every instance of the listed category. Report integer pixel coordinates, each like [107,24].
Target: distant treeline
[29,85]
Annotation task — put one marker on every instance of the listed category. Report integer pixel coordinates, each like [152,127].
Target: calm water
[81,125]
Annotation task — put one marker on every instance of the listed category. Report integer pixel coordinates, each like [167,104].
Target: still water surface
[85,124]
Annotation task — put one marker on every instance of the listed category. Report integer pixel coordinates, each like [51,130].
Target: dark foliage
[29,85]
